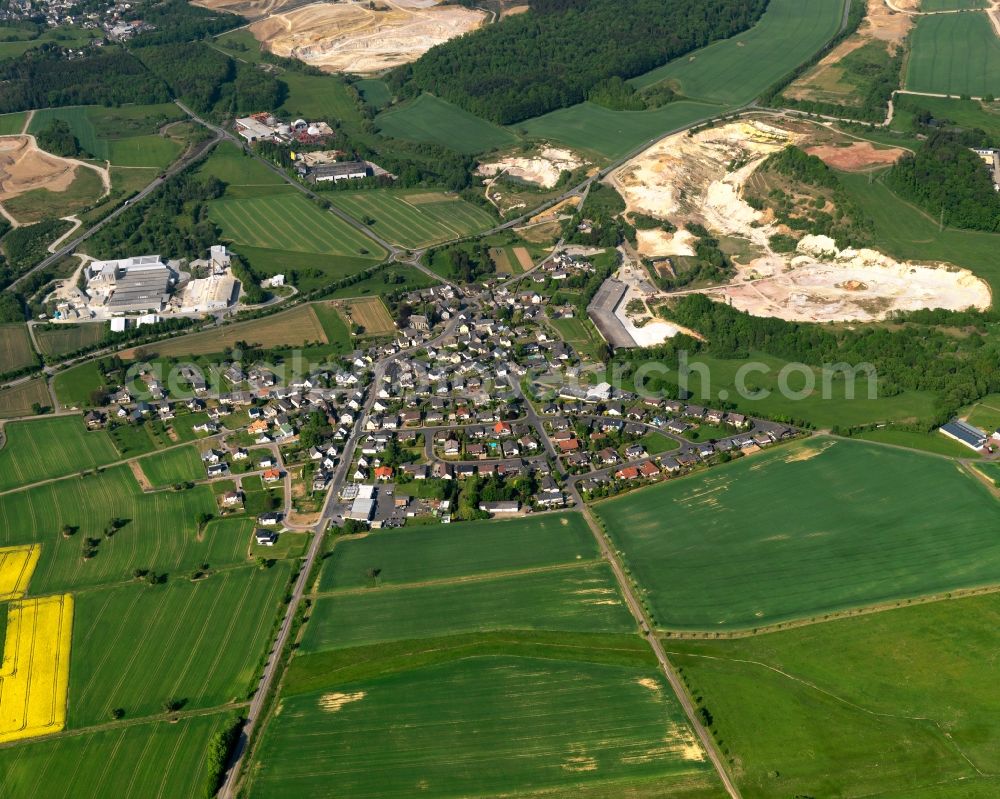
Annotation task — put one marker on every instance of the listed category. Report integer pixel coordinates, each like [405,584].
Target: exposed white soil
[542,169]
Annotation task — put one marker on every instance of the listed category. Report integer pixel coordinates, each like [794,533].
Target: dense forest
[556,53]
[43,78]
[58,138]
[178,21]
[947,179]
[916,356]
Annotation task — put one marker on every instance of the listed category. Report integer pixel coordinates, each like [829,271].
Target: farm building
[964,433]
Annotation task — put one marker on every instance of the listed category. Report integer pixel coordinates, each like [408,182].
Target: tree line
[551,56]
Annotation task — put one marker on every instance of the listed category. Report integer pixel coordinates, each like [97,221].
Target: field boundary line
[470,578]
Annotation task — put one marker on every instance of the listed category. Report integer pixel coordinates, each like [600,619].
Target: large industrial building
[130,285]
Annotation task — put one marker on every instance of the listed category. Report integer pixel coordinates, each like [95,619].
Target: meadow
[18,400]
[954,54]
[580,333]
[751,544]
[951,5]
[408,555]
[136,646]
[374,92]
[965,113]
[159,530]
[900,703]
[368,313]
[45,448]
[574,599]
[62,339]
[154,760]
[127,136]
[460,729]
[12,123]
[243,175]
[16,351]
[173,466]
[734,71]
[415,219]
[905,231]
[431,120]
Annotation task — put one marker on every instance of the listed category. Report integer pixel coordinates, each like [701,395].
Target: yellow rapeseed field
[16,567]
[34,675]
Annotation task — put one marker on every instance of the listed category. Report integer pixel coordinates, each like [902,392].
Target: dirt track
[352,37]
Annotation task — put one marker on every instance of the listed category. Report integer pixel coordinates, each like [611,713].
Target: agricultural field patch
[137,646]
[951,5]
[159,531]
[12,123]
[414,219]
[45,448]
[369,313]
[291,328]
[409,555]
[17,564]
[434,121]
[573,600]
[954,54]
[613,728]
[63,339]
[734,71]
[16,351]
[158,760]
[243,175]
[34,673]
[173,466]
[898,701]
[889,525]
[18,400]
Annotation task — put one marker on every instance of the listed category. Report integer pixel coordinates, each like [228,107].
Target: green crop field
[435,121]
[159,532]
[16,351]
[44,448]
[907,232]
[152,760]
[574,599]
[12,123]
[126,136]
[954,54]
[951,5]
[415,219]
[487,726]
[18,400]
[895,704]
[409,555]
[243,175]
[138,646]
[754,543]
[735,71]
[612,134]
[174,466]
[290,223]
[928,442]
[62,339]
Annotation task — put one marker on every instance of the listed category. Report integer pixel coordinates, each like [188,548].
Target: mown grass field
[74,386]
[900,703]
[734,71]
[573,600]
[137,646]
[16,351]
[462,729]
[954,54]
[160,530]
[152,760]
[609,134]
[435,121]
[18,400]
[415,219]
[433,553]
[12,123]
[290,328]
[68,338]
[753,543]
[44,448]
[127,136]
[243,175]
[580,333]
[927,442]
[375,92]
[951,5]
[905,231]
[173,466]
[290,223]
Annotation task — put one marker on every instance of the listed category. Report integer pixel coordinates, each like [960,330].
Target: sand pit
[701,178]
[822,283]
[24,168]
[352,37]
[856,157]
[542,170]
[657,243]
